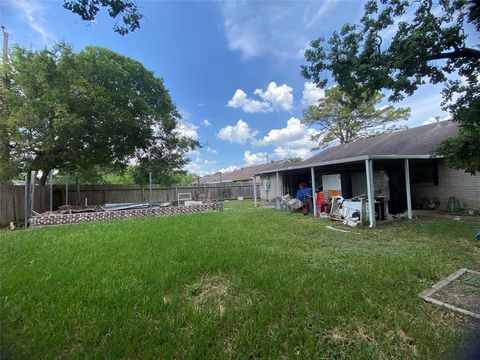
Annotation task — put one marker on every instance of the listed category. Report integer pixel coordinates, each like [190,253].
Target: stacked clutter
[288,203]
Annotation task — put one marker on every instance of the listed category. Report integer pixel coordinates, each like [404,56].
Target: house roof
[207,178]
[418,142]
[245,173]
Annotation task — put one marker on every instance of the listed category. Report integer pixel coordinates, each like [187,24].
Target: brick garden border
[76,218]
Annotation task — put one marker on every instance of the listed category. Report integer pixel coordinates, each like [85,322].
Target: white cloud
[198,165]
[293,131]
[324,8]
[254,158]
[294,140]
[433,119]
[280,97]
[210,150]
[274,28]
[32,11]
[311,94]
[283,152]
[206,123]
[186,115]
[187,129]
[238,133]
[196,168]
[240,100]
[274,98]
[228,169]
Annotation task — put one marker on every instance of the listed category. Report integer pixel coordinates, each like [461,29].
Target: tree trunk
[43,179]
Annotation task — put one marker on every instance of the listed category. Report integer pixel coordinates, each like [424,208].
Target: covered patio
[382,167]
[356,177]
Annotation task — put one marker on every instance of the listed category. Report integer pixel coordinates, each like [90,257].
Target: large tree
[125,12]
[8,168]
[95,108]
[341,121]
[429,44]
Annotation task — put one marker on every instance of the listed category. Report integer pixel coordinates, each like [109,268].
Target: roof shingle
[421,140]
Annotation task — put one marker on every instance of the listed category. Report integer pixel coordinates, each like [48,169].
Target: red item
[322,205]
[320,197]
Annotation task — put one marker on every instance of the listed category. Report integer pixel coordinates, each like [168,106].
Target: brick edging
[76,218]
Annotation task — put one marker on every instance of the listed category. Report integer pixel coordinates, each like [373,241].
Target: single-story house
[399,167]
[241,176]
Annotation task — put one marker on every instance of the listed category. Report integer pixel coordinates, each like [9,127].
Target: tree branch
[457,54]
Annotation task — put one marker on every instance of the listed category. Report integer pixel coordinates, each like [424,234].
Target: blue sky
[232,68]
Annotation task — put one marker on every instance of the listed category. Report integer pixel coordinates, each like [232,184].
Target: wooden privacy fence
[12,196]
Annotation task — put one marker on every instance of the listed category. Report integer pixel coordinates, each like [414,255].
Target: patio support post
[254,191]
[314,197]
[26,199]
[371,204]
[277,190]
[407,186]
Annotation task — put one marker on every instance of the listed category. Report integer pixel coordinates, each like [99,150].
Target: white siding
[272,191]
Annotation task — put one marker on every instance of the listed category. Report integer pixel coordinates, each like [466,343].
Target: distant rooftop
[245,173]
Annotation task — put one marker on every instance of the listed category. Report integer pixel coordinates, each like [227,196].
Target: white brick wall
[451,182]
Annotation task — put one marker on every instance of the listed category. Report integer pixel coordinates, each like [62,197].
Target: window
[424,172]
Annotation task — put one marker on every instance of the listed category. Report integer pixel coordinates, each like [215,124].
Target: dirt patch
[463,292]
[435,214]
[210,293]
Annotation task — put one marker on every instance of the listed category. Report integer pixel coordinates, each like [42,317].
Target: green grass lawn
[244,283]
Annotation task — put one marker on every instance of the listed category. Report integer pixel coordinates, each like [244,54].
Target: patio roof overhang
[347,160]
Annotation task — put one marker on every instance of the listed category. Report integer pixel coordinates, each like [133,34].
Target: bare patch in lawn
[337,336]
[210,294]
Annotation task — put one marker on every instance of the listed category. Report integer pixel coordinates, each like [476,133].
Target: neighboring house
[242,176]
[381,166]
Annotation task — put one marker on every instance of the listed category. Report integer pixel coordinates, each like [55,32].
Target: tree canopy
[125,12]
[339,120]
[95,108]
[429,44]
[131,174]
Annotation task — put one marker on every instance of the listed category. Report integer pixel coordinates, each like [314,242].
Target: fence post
[150,192]
[26,211]
[78,191]
[32,192]
[221,188]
